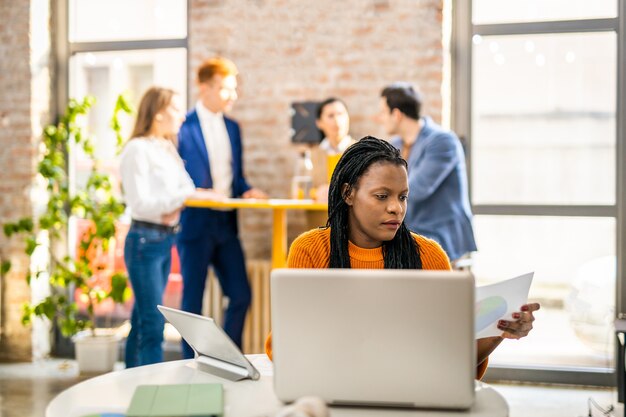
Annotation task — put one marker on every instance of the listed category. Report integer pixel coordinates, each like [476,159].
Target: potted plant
[83,276]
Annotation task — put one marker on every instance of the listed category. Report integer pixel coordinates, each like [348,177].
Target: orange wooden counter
[279,209]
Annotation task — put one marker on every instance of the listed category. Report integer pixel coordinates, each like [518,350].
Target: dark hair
[402,252]
[329,100]
[404,97]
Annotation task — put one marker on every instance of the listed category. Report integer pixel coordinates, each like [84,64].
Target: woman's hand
[171,218]
[254,193]
[522,323]
[512,329]
[207,194]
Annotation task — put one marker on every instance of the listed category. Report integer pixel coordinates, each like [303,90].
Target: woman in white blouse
[155,186]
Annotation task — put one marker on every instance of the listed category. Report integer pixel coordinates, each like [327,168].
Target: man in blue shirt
[438,205]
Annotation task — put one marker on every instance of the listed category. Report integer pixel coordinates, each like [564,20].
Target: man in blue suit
[210,145]
[438,205]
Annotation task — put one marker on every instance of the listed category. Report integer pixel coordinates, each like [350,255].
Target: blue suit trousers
[226,256]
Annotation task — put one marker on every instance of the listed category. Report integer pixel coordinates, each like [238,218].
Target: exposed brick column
[24,98]
[291,50]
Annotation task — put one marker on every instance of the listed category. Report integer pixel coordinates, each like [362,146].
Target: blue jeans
[147,253]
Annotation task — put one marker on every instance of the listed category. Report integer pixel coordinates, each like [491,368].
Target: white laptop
[215,351]
[389,338]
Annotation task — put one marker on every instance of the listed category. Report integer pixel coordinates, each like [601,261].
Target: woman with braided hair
[353,217]
[367,202]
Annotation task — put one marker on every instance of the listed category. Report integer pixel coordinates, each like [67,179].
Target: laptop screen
[374,337]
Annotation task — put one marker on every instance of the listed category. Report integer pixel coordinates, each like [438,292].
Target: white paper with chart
[498,301]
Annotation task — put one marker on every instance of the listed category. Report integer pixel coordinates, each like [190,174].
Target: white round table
[112,392]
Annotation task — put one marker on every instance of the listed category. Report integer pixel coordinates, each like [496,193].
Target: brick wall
[22,73]
[286,50]
[291,50]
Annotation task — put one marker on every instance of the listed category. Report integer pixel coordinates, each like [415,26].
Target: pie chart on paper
[488,311]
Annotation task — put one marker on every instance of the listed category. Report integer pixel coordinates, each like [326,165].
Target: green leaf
[46,308]
[122,104]
[27,313]
[89,101]
[9,229]
[5,267]
[70,325]
[26,224]
[31,244]
[46,222]
[119,284]
[100,295]
[50,131]
[88,148]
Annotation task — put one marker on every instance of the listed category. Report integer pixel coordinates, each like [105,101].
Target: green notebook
[181,400]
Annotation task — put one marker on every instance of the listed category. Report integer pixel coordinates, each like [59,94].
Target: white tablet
[215,351]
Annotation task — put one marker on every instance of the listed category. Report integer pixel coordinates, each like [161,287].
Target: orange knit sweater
[311,250]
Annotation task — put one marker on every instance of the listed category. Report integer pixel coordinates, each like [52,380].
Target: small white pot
[96,353]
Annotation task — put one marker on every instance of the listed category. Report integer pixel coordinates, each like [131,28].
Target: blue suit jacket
[438,204]
[197,222]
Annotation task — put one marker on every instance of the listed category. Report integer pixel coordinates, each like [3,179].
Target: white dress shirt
[218,147]
[154,179]
[343,145]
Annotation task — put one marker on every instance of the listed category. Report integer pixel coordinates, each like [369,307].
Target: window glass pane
[506,11]
[543,119]
[107,74]
[116,20]
[574,263]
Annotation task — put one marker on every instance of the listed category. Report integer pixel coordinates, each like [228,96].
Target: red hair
[216,66]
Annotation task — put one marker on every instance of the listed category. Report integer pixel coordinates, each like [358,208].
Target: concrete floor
[26,389]
[556,401]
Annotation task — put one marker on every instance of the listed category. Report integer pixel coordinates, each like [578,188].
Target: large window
[122,20]
[537,98]
[117,47]
[105,75]
[113,47]
[543,118]
[508,11]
